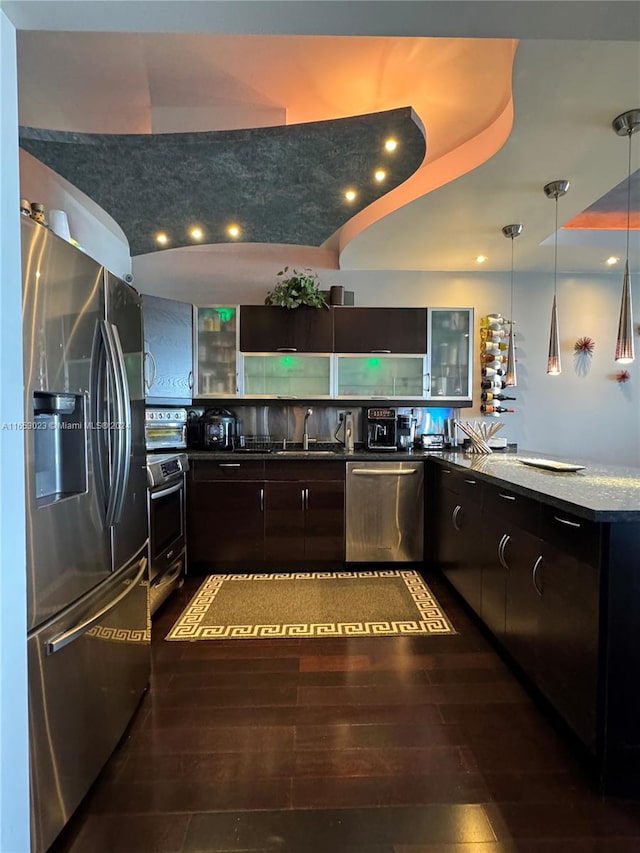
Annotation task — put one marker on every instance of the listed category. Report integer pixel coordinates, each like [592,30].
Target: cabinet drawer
[511,509]
[203,470]
[302,470]
[572,534]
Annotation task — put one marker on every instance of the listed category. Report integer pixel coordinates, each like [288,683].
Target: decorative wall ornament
[585,345]
[622,376]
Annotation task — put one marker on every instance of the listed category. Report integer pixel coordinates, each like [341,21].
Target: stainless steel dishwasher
[385,512]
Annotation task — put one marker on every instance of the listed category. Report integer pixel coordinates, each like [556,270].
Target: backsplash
[287,422]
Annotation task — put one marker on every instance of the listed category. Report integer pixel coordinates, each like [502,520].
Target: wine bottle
[492,356]
[493,410]
[488,334]
[489,395]
[492,385]
[492,371]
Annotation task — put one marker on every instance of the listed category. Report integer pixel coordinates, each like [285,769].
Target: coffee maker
[381,429]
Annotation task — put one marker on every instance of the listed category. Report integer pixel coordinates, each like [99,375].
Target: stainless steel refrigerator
[88,620]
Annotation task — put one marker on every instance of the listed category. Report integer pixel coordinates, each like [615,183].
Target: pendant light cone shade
[554,190]
[625,353]
[554,366]
[510,378]
[626,124]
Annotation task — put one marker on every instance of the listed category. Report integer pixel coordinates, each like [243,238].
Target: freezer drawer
[385,511]
[84,686]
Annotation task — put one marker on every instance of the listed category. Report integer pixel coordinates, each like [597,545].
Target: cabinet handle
[149,382]
[567,522]
[446,470]
[302,493]
[533,576]
[286,349]
[385,351]
[506,497]
[454,517]
[228,465]
[306,499]
[261,500]
[503,544]
[190,380]
[471,482]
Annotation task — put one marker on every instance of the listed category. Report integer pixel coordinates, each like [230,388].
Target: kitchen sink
[306,453]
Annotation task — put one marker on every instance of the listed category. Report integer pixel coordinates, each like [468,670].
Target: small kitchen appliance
[219,428]
[381,429]
[165,429]
[406,432]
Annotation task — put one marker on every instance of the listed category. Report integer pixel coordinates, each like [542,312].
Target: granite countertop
[599,492]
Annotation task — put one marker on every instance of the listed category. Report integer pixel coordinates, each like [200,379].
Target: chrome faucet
[305,435]
[348,432]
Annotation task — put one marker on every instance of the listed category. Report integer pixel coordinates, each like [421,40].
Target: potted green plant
[300,287]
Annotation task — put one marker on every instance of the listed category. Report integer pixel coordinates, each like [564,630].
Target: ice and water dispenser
[60,446]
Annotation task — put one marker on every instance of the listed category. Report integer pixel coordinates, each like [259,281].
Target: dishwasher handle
[378,472]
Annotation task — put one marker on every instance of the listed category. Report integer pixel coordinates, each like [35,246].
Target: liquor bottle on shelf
[494,410]
[489,395]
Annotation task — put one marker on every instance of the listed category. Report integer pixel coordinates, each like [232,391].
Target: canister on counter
[39,212]
[25,207]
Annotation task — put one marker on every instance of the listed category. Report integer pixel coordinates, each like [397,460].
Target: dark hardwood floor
[382,745]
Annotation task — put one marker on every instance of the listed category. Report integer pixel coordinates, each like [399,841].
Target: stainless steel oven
[167,524]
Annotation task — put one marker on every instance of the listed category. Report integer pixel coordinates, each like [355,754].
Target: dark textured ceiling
[279,184]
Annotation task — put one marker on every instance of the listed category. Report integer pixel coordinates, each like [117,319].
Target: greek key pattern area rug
[311,604]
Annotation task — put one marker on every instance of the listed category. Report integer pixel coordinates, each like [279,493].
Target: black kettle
[219,429]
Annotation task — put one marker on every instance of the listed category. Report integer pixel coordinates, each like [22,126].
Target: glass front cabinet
[384,376]
[216,348]
[287,375]
[450,345]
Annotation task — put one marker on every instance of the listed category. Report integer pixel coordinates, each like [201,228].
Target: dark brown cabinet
[269,328]
[393,330]
[304,512]
[257,516]
[532,573]
[568,636]
[459,532]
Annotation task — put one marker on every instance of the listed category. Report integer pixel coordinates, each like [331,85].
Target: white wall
[98,233]
[14,761]
[575,415]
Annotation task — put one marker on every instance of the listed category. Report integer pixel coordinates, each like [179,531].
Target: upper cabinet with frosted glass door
[381,352]
[286,352]
[450,354]
[216,349]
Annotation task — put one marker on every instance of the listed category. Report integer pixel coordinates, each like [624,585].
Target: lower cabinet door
[522,555]
[459,538]
[284,518]
[225,524]
[324,521]
[494,577]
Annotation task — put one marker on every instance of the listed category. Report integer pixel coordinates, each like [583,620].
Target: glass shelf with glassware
[216,349]
[450,345]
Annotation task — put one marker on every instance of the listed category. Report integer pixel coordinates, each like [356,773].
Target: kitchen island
[550,563]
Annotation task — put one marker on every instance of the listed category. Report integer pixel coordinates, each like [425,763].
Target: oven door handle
[163,493]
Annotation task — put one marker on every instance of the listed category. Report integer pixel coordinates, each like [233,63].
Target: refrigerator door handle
[98,365]
[62,640]
[117,472]
[123,427]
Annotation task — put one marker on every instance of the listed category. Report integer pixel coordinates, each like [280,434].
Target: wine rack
[495,395]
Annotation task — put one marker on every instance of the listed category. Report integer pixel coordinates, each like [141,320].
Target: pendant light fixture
[626,124]
[554,190]
[510,379]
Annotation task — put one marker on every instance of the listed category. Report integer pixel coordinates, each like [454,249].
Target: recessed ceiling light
[233,231]
[391,145]
[162,238]
[350,195]
[611,261]
[196,232]
[481,259]
[380,175]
